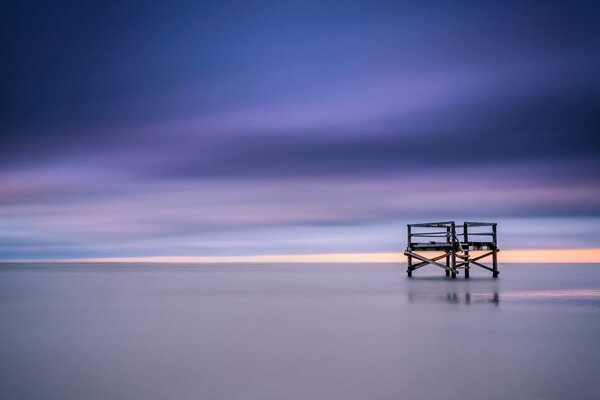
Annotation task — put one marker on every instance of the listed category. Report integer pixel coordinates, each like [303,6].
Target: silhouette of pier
[443,239]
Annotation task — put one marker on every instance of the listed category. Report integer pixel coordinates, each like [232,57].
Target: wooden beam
[479,257]
[429,234]
[482,266]
[481,223]
[432,224]
[423,263]
[427,260]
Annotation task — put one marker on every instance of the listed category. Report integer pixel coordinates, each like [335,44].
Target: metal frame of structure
[442,237]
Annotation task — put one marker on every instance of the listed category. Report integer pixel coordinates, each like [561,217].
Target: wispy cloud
[305,128]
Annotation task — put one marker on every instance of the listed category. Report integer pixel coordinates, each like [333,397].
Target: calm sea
[286,332]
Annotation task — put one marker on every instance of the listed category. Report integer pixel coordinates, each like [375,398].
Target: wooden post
[466,240]
[453,251]
[447,257]
[409,268]
[495,253]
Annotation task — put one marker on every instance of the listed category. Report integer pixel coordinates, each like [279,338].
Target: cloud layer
[233,128]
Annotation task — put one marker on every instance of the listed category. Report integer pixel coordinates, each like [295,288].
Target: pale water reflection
[306,332]
[457,298]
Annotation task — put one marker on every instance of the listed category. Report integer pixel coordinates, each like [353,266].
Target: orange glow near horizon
[589,255]
[586,255]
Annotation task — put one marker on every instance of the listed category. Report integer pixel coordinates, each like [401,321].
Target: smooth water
[285,332]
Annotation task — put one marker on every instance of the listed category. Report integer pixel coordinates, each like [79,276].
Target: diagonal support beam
[424,263]
[474,260]
[479,257]
[429,261]
[482,266]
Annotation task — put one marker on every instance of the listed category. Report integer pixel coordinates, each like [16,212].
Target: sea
[297,332]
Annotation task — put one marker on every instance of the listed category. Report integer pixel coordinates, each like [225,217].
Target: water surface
[294,331]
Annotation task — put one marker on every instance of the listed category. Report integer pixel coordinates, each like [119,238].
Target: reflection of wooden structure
[442,237]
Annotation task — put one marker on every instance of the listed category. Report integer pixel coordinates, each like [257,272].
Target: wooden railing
[447,231]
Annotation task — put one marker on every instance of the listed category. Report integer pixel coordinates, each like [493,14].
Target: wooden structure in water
[453,246]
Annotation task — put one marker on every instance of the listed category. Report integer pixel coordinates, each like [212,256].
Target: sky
[253,128]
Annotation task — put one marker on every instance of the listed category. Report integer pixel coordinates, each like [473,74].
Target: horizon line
[579,255]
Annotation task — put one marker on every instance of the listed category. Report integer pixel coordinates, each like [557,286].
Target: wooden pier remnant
[453,247]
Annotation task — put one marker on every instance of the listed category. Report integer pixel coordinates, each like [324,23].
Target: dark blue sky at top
[238,127]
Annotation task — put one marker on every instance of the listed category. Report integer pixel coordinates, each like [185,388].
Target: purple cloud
[230,128]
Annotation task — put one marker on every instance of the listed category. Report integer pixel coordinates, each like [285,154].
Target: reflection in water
[578,296]
[492,296]
[455,298]
[561,293]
